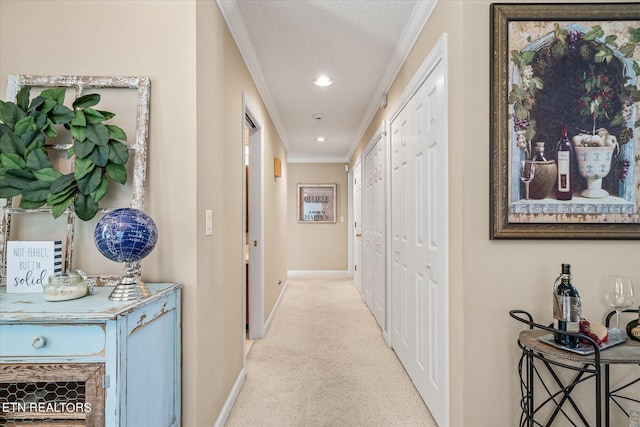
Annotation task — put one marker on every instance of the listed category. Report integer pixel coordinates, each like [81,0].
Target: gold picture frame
[546,60]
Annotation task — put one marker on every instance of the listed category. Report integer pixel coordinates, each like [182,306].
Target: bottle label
[567,309]
[573,327]
[564,183]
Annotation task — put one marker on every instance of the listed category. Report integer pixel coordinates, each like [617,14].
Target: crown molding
[309,158]
[235,23]
[419,18]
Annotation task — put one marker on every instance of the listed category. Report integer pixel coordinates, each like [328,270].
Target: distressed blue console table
[91,361]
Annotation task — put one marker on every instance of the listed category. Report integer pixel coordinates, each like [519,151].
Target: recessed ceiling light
[323,81]
[320,139]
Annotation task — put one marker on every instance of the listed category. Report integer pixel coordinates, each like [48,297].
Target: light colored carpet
[324,363]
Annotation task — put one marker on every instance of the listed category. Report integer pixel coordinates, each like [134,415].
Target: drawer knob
[38,342]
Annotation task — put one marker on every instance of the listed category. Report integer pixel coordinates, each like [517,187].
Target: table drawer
[30,340]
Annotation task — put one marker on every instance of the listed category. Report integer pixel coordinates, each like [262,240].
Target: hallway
[324,363]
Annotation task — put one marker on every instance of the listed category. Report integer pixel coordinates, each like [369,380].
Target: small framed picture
[317,203]
[30,263]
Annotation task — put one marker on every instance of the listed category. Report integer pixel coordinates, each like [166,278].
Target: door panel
[419,224]
[374,231]
[379,293]
[401,288]
[367,220]
[434,254]
[357,225]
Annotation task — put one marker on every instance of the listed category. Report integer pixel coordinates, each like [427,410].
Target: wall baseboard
[387,338]
[233,395]
[275,308]
[318,273]
[231,399]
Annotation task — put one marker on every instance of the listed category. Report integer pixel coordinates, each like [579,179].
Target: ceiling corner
[237,28]
[419,18]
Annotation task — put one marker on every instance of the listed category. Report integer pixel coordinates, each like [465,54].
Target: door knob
[358,234]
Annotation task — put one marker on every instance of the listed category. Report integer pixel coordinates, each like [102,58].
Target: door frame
[256,224]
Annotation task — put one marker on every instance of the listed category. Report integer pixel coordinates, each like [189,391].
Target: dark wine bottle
[538,155]
[564,184]
[566,308]
[633,329]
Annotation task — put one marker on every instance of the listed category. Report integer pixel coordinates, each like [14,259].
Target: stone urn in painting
[594,161]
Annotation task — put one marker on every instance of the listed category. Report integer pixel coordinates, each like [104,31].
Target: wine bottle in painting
[563,185]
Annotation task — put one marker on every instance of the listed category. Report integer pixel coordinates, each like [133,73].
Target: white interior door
[374,230]
[402,287]
[357,224]
[419,240]
[367,246]
[429,246]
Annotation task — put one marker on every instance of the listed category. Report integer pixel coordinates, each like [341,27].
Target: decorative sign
[30,263]
[317,203]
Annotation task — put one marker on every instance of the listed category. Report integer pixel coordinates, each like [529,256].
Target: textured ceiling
[359,44]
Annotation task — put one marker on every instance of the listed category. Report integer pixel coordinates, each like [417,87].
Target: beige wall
[195,157]
[197,78]
[275,218]
[318,246]
[489,278]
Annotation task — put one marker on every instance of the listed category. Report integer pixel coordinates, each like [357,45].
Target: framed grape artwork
[565,141]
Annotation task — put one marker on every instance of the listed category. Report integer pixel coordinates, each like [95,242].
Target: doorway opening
[249,127]
[253,225]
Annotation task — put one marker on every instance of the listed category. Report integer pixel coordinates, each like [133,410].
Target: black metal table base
[560,373]
[558,392]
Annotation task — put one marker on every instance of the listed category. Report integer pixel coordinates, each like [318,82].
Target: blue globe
[125,235]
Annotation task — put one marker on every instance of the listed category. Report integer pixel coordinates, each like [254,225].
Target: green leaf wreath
[26,169]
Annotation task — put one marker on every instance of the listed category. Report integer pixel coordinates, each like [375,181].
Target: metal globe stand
[131,286]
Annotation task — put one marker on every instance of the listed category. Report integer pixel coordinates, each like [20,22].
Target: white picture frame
[316,203]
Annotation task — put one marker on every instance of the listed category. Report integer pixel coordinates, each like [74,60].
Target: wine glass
[527,171]
[619,297]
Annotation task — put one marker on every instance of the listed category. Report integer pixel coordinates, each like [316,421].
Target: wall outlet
[208,221]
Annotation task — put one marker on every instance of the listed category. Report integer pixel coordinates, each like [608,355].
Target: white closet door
[374,232]
[402,289]
[367,234]
[429,249]
[357,225]
[419,237]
